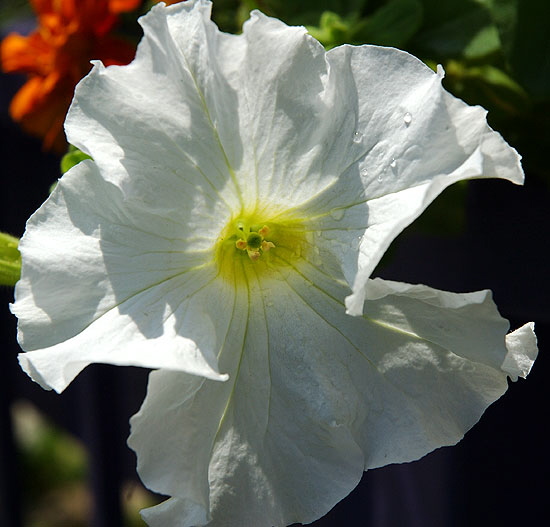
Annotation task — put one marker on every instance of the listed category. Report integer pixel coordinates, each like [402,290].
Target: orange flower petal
[31,96]
[40,107]
[19,54]
[122,6]
[57,55]
[42,6]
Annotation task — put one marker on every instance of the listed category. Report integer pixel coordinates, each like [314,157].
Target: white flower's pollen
[249,240]
[266,246]
[254,243]
[264,231]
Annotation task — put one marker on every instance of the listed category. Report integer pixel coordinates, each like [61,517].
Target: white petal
[176,512]
[153,126]
[522,351]
[105,280]
[315,397]
[289,112]
[406,165]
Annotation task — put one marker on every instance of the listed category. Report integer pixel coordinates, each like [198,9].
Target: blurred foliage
[54,471]
[12,9]
[10,259]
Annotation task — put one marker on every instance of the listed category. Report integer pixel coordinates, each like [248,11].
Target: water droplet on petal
[393,163]
[357,137]
[364,172]
[379,178]
[408,119]
[337,214]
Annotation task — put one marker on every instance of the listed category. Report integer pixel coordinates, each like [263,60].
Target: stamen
[267,245]
[254,254]
[247,244]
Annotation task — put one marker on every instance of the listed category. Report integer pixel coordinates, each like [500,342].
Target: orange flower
[57,55]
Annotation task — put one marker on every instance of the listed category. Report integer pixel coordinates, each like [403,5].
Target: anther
[267,245]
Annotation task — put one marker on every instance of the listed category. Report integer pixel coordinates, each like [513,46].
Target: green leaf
[10,259]
[334,30]
[72,158]
[456,29]
[485,42]
[488,86]
[393,24]
[524,30]
[305,12]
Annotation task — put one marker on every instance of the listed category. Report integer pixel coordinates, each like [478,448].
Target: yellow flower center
[258,243]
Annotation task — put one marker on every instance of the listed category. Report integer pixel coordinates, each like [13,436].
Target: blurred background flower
[56,55]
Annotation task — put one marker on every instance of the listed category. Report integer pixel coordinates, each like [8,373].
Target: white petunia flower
[242,191]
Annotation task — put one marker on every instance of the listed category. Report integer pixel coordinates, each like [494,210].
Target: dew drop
[379,178]
[393,163]
[337,214]
[364,172]
[408,119]
[357,137]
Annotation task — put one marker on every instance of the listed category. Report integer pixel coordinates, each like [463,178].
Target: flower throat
[257,244]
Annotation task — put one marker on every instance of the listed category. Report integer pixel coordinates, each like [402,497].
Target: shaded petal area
[119,286]
[315,397]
